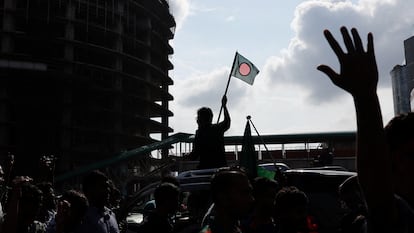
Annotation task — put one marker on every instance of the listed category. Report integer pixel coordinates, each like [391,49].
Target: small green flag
[261,172]
[244,69]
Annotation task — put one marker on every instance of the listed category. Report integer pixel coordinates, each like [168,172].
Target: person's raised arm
[359,76]
[226,122]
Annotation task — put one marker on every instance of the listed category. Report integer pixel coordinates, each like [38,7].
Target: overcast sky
[284,40]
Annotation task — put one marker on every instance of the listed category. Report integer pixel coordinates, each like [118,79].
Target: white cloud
[290,95]
[390,21]
[180,10]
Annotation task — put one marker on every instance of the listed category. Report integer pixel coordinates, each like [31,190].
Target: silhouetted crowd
[379,199]
[234,204]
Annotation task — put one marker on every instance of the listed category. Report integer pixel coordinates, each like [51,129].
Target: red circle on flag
[244,69]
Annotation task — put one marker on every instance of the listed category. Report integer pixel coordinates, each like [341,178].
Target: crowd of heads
[232,201]
[27,206]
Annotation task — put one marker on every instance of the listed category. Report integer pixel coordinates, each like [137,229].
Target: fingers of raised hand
[357,40]
[347,40]
[330,73]
[370,47]
[353,44]
[333,43]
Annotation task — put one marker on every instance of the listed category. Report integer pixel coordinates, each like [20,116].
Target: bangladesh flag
[244,69]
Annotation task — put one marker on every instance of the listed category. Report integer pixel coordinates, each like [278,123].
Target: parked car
[320,185]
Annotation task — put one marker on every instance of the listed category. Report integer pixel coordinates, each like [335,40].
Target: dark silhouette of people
[197,205]
[71,209]
[352,201]
[209,138]
[232,196]
[98,218]
[167,201]
[291,210]
[23,206]
[385,157]
[48,207]
[264,193]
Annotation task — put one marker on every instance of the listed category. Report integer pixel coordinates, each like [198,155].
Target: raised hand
[359,72]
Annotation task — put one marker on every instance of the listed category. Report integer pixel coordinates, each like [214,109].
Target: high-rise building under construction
[83,79]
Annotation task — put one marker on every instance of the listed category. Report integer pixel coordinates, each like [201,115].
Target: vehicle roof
[211,171]
[193,173]
[277,164]
[320,172]
[335,168]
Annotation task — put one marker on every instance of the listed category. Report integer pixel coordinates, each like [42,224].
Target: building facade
[83,79]
[402,77]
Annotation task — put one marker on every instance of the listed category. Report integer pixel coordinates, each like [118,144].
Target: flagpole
[227,86]
[249,118]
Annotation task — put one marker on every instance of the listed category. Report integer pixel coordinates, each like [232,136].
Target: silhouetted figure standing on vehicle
[209,138]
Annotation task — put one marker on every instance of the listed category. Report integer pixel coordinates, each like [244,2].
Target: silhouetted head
[29,203]
[264,193]
[204,117]
[291,209]
[231,192]
[400,138]
[97,189]
[78,206]
[167,198]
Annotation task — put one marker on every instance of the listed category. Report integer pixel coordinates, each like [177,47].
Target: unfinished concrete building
[82,79]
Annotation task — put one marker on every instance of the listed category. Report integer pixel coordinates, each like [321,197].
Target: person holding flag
[209,138]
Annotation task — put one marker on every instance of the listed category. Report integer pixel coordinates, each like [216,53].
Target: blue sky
[216,29]
[284,40]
